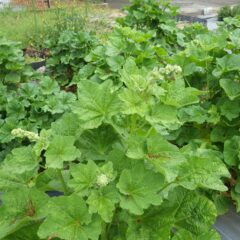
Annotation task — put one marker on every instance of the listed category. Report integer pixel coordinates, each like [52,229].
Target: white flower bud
[18,132]
[102,180]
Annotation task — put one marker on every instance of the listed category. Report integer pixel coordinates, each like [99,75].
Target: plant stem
[104,235]
[64,185]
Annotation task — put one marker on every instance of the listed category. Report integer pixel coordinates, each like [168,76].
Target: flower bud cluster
[18,132]
[171,69]
[103,180]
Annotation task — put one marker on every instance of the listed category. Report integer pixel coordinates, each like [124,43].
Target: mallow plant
[211,63]
[117,173]
[28,100]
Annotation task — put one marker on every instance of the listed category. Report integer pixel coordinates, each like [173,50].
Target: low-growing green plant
[211,63]
[74,58]
[68,52]
[107,59]
[121,178]
[228,11]
[224,12]
[149,148]
[149,14]
[158,16]
[28,100]
[12,63]
[236,10]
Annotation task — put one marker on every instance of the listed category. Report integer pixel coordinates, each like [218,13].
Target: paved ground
[183,3]
[210,3]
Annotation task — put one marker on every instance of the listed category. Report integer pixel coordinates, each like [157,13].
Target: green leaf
[133,103]
[103,202]
[193,114]
[190,211]
[164,156]
[48,86]
[203,172]
[186,235]
[178,95]
[60,150]
[151,225]
[15,109]
[227,63]
[43,142]
[230,109]
[119,159]
[96,104]
[235,37]
[221,134]
[95,144]
[142,84]
[20,208]
[115,62]
[133,77]
[136,146]
[208,42]
[29,232]
[49,180]
[59,103]
[68,219]
[5,129]
[139,188]
[231,87]
[231,151]
[222,203]
[67,125]
[13,77]
[18,169]
[84,177]
[164,115]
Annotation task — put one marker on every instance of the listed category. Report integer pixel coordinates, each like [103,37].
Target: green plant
[12,64]
[228,11]
[120,177]
[149,14]
[224,12]
[28,100]
[149,148]
[158,16]
[67,54]
[236,10]
[106,60]
[211,63]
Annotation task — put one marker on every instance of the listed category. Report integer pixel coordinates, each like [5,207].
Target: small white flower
[102,180]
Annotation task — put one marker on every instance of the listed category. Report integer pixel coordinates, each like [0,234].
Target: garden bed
[132,131]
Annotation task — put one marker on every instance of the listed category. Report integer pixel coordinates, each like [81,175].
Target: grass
[20,26]
[29,26]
